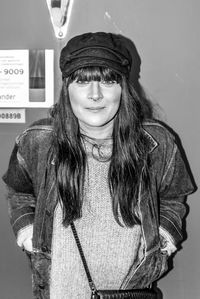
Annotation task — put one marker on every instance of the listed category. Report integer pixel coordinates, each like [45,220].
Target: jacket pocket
[151,269]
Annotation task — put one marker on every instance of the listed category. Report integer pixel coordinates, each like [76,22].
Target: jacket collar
[152,144]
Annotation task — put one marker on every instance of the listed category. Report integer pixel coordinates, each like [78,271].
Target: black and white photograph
[99,149]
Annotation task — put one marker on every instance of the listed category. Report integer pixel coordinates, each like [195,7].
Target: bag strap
[78,243]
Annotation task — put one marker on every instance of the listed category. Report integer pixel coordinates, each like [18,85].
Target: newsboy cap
[95,49]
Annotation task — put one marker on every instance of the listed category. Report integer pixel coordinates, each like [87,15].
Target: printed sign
[26,78]
[12,116]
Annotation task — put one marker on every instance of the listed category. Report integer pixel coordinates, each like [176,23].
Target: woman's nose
[95,92]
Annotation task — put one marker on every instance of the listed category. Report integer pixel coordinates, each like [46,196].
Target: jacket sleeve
[176,184]
[21,199]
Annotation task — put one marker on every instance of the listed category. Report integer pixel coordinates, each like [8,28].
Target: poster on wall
[26,78]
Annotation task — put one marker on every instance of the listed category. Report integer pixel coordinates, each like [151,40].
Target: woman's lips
[95,109]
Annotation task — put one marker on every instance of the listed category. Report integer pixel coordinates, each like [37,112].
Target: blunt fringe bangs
[94,73]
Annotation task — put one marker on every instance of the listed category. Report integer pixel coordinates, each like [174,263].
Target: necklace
[101,149]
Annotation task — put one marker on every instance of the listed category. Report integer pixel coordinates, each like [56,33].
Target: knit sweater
[109,248]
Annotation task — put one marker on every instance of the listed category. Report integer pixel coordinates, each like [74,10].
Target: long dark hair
[128,163]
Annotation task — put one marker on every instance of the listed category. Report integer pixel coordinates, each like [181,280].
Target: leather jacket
[33,197]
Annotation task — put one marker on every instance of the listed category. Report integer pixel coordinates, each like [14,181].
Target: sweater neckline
[98,141]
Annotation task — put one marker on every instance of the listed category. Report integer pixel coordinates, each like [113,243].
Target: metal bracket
[60,12]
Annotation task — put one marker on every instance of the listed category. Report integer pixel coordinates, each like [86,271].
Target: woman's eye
[108,82]
[82,82]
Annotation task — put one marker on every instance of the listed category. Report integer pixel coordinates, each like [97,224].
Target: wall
[167,37]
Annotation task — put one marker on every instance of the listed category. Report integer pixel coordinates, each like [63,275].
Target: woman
[97,161]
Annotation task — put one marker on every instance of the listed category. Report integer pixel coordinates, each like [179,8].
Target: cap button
[125,62]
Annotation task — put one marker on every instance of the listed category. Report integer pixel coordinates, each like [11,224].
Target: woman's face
[95,103]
